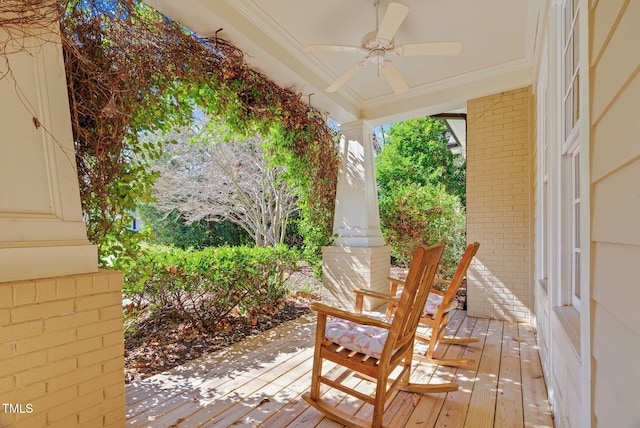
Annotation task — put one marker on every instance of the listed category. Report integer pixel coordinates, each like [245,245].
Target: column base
[346,268]
[47,260]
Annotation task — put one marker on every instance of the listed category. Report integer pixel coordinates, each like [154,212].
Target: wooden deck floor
[259,382]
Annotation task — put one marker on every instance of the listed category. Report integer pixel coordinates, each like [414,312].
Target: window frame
[544,127]
[570,148]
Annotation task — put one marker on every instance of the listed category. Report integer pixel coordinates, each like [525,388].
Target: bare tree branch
[226,180]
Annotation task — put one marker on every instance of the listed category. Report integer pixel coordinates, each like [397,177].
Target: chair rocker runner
[436,312]
[374,348]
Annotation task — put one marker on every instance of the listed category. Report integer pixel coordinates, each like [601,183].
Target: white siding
[615,62]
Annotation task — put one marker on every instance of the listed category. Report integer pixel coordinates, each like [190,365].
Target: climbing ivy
[131,71]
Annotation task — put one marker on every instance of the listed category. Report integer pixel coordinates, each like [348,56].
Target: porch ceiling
[498,45]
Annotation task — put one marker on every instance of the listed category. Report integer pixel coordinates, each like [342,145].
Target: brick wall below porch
[61,352]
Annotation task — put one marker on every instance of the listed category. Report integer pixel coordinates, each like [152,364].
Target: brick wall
[61,352]
[499,204]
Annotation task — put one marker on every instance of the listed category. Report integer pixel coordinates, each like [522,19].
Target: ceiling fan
[377,44]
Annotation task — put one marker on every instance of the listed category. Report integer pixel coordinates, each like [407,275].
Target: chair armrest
[375,294]
[437,280]
[440,286]
[360,293]
[396,281]
[325,310]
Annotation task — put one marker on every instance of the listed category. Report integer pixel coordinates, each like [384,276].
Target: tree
[215,179]
[412,215]
[173,230]
[421,186]
[415,151]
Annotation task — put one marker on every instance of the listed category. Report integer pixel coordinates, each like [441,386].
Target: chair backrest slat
[460,274]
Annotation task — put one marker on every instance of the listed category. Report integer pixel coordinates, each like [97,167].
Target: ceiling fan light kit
[377,44]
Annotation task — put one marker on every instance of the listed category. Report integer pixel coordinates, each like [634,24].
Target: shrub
[415,214]
[171,228]
[205,286]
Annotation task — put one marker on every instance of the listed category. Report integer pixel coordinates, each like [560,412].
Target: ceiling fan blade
[333,48]
[346,76]
[393,17]
[434,48]
[395,79]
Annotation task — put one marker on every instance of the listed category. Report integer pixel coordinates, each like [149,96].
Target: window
[570,67]
[543,229]
[571,244]
[570,153]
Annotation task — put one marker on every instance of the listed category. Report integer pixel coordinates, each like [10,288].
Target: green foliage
[108,211]
[414,214]
[171,229]
[415,152]
[293,238]
[422,191]
[130,71]
[312,169]
[205,286]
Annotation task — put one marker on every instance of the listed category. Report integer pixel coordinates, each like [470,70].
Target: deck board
[536,405]
[482,403]
[509,398]
[260,382]
[456,404]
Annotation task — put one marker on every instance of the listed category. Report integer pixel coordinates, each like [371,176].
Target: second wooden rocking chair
[374,348]
[436,312]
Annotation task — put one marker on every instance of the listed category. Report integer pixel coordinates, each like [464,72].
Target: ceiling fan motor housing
[370,42]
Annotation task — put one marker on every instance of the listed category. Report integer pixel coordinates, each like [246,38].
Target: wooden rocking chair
[374,348]
[436,312]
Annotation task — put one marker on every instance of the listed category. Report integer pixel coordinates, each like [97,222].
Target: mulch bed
[160,343]
[163,342]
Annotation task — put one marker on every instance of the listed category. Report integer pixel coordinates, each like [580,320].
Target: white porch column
[359,257]
[42,233]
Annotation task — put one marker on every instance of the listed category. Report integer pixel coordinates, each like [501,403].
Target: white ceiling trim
[464,79]
[262,21]
[450,93]
[533,32]
[273,48]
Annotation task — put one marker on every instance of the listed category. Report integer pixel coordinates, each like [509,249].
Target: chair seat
[365,339]
[433,303]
